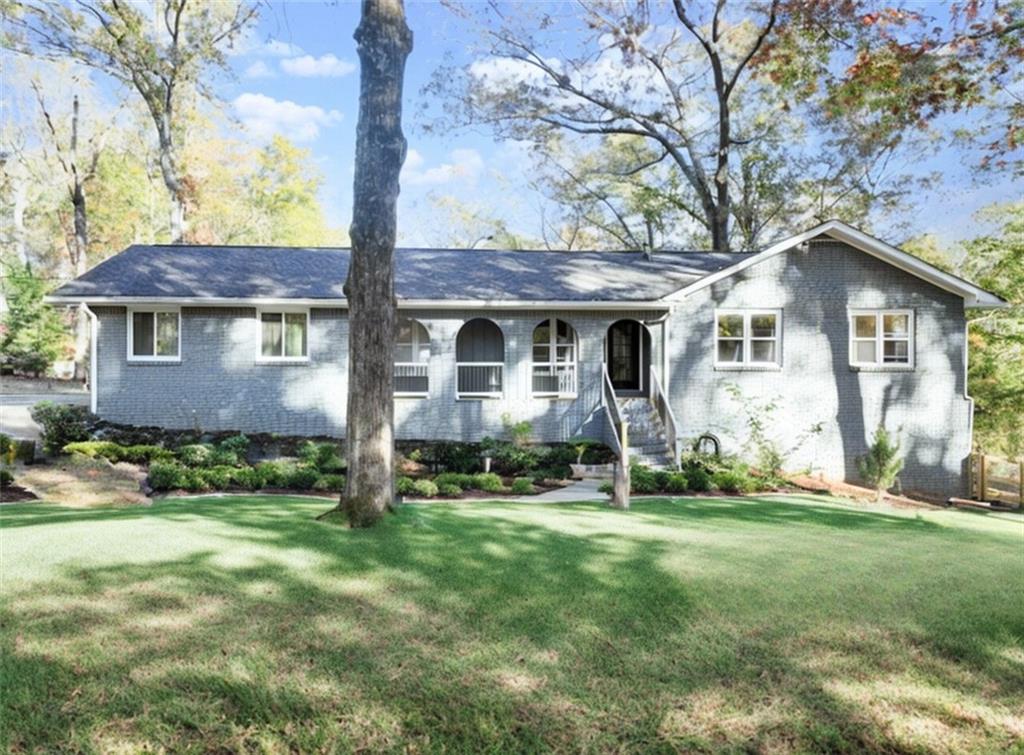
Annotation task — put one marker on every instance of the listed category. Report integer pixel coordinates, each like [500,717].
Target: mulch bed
[16,493]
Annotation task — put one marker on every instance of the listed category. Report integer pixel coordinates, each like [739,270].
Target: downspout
[94,329]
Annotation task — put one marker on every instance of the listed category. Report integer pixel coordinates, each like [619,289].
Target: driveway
[14,417]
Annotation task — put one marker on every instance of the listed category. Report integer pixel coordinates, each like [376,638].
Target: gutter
[201,301]
[94,330]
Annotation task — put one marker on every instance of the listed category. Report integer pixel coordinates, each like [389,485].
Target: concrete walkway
[581,490]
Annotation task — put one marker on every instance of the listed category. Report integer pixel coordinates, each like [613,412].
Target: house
[844,331]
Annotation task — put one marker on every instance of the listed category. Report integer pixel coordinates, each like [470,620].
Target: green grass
[769,624]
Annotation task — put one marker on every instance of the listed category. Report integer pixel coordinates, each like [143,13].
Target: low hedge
[730,477]
[115,452]
[172,475]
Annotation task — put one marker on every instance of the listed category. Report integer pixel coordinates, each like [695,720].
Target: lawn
[767,624]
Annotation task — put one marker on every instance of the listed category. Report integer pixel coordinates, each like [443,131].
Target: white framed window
[748,338]
[412,357]
[555,348]
[882,338]
[154,335]
[283,335]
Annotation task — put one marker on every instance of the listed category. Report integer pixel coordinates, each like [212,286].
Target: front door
[624,340]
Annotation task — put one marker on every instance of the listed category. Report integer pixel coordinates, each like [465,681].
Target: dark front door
[624,355]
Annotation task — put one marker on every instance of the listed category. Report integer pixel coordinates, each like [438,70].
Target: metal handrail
[668,418]
[614,417]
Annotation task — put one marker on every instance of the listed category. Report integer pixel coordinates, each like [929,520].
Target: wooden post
[982,482]
[1020,482]
[620,485]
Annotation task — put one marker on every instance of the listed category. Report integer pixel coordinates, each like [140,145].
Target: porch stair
[648,444]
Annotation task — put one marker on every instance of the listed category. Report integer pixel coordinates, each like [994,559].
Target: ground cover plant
[741,624]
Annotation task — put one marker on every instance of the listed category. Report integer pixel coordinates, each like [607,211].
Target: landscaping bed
[193,462]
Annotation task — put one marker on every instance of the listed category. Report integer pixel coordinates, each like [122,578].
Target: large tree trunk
[384,42]
[80,248]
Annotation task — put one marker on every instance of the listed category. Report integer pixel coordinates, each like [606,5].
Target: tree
[752,116]
[995,377]
[284,191]
[384,42]
[78,166]
[882,463]
[161,57]
[33,334]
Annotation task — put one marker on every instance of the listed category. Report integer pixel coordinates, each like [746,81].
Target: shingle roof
[229,272]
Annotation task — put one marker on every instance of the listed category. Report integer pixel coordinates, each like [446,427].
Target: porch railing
[668,419]
[619,437]
[411,379]
[555,379]
[479,379]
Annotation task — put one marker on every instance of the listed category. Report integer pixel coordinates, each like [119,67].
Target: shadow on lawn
[437,629]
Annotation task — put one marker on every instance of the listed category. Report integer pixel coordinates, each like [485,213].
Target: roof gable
[973,295]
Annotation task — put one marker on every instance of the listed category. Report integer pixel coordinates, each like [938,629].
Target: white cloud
[325,65]
[466,165]
[264,116]
[259,70]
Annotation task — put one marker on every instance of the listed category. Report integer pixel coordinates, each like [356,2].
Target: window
[284,336]
[479,360]
[554,359]
[882,338]
[412,354]
[154,335]
[747,338]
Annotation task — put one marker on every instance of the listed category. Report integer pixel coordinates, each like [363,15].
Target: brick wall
[815,289]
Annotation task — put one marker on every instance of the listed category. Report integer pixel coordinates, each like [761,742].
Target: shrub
[196,454]
[456,457]
[607,487]
[217,478]
[676,483]
[514,459]
[223,457]
[551,473]
[488,482]
[334,483]
[734,481]
[449,491]
[7,446]
[6,478]
[459,480]
[404,486]
[642,480]
[882,463]
[698,479]
[273,474]
[302,478]
[424,488]
[62,424]
[518,432]
[322,456]
[194,481]
[145,454]
[93,448]
[165,475]
[245,477]
[522,485]
[236,444]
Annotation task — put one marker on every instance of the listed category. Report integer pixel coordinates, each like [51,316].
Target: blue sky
[298,74]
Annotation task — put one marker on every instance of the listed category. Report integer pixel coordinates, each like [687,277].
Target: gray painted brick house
[843,330]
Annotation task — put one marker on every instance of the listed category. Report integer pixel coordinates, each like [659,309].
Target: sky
[296,73]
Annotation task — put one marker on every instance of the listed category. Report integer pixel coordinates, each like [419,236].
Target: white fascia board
[527,305]
[202,301]
[973,295]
